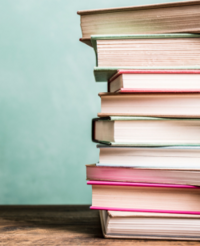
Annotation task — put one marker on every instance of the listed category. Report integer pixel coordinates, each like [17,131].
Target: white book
[150,157]
[155,81]
[116,224]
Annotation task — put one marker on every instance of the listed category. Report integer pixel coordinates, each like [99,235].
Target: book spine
[93,130]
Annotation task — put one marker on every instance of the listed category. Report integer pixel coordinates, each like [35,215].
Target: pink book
[145,197]
[175,175]
[160,81]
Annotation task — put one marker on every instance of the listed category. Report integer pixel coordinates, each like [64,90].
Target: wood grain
[61,225]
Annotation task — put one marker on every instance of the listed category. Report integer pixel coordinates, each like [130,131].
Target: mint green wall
[47,100]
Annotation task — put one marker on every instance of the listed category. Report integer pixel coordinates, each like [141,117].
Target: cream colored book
[177,158]
[145,197]
[146,131]
[117,224]
[147,51]
[151,104]
[177,17]
[138,81]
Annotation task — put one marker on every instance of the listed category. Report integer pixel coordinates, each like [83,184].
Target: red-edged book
[128,81]
[140,175]
[145,197]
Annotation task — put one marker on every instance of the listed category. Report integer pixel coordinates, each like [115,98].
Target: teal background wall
[47,100]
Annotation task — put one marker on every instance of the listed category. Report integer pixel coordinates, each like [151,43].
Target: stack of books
[147,181]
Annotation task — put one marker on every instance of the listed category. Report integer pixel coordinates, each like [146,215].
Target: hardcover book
[163,50]
[142,175]
[177,17]
[116,224]
[104,74]
[157,104]
[144,81]
[145,197]
[178,157]
[146,131]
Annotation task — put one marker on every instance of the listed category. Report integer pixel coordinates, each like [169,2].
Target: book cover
[170,175]
[106,218]
[146,186]
[159,18]
[94,39]
[153,90]
[146,143]
[104,74]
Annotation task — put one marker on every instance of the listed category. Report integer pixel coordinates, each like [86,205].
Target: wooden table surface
[61,225]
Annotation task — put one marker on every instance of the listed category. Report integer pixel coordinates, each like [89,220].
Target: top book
[177,17]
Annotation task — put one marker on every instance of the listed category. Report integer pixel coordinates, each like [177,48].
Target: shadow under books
[77,218]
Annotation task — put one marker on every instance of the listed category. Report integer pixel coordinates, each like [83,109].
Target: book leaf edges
[105,73]
[159,141]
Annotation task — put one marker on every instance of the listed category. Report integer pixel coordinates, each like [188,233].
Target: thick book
[155,50]
[156,104]
[177,17]
[145,197]
[145,81]
[142,175]
[116,224]
[179,157]
[146,131]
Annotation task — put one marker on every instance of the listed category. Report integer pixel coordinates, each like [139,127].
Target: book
[145,197]
[143,175]
[177,17]
[157,104]
[116,224]
[103,74]
[178,157]
[146,131]
[144,81]
[155,50]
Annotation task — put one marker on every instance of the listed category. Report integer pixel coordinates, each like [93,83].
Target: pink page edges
[142,184]
[145,210]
